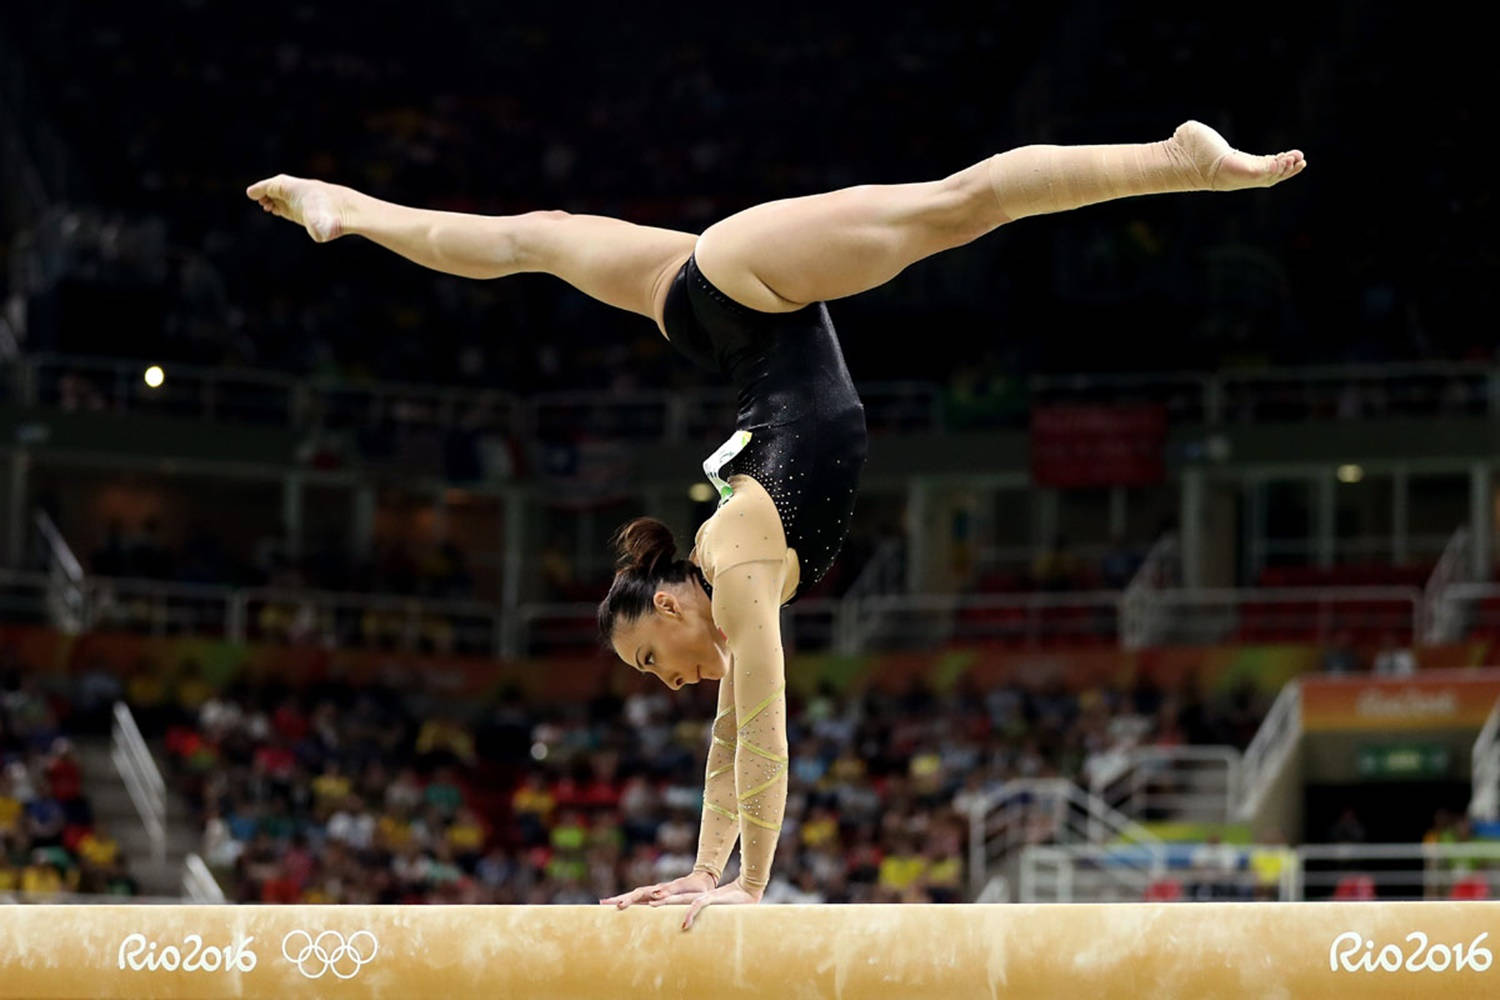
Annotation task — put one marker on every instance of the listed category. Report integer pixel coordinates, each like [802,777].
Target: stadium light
[1350,473]
[700,493]
[155,376]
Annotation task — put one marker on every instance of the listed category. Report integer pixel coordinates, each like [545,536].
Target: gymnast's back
[807,437]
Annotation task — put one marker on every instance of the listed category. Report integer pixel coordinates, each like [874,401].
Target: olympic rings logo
[328,952]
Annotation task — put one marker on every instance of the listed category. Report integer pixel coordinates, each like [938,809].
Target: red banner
[1078,446]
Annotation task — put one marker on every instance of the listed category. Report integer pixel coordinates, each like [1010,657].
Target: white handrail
[1444,622]
[1140,616]
[1484,799]
[1009,814]
[132,758]
[198,883]
[65,597]
[58,548]
[1435,868]
[1066,873]
[1269,749]
[1139,769]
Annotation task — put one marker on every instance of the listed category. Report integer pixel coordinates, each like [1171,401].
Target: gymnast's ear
[665,602]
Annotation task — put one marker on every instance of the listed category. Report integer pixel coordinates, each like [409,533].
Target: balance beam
[1164,951]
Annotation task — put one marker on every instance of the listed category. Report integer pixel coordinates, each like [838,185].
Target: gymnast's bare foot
[315,205]
[1223,168]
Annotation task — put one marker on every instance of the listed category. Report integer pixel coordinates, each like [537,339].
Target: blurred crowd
[337,794]
[49,842]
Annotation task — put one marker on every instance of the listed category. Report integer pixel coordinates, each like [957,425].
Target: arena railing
[143,780]
[1400,871]
[1119,873]
[24,597]
[65,596]
[198,883]
[272,398]
[83,383]
[280,614]
[1192,783]
[1030,811]
[1269,750]
[1484,770]
[1469,609]
[1027,620]
[1208,616]
[1139,612]
[1444,622]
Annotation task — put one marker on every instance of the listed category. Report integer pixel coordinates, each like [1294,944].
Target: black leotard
[807,425]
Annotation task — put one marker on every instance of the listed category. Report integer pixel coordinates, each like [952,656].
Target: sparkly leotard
[808,440]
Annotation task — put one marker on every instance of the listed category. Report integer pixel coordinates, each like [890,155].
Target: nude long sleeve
[746,606]
[720,826]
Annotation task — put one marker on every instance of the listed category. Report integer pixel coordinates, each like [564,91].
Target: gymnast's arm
[747,600]
[721,824]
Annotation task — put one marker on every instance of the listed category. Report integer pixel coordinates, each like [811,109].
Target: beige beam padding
[1162,951]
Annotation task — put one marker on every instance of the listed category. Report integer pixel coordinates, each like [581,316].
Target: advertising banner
[1082,446]
[1434,699]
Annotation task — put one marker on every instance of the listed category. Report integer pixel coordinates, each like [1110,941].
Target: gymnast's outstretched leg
[784,254]
[619,263]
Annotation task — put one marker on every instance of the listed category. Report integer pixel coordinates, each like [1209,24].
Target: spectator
[1341,658]
[1393,659]
[1347,829]
[902,867]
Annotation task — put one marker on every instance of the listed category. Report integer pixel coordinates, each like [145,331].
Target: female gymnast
[746,299]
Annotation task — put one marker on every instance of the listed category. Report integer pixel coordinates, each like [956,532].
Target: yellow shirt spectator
[9,878]
[1268,863]
[466,837]
[10,813]
[331,788]
[945,872]
[99,850]
[898,871]
[536,801]
[41,880]
[820,831]
[393,832]
[440,734]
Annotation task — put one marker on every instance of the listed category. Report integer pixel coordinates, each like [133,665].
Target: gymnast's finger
[692,913]
[640,895]
[676,898]
[623,897]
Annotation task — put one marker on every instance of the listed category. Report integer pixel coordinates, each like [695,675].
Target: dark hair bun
[645,544]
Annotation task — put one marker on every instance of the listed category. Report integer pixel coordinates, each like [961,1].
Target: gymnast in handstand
[746,300]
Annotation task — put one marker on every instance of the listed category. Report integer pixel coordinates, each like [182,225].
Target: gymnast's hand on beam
[679,890]
[734,892]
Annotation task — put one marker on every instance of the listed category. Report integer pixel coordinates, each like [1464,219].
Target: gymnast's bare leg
[781,255]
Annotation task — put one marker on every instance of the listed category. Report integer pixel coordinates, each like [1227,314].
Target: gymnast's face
[677,641]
